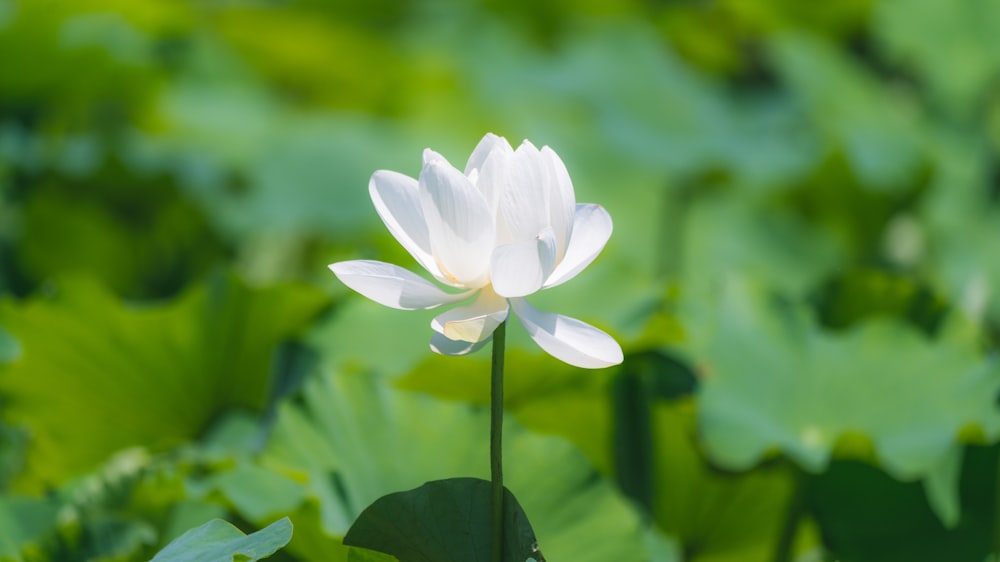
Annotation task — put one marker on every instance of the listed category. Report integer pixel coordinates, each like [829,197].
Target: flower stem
[496,438]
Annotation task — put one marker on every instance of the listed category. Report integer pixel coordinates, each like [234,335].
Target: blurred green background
[803,273]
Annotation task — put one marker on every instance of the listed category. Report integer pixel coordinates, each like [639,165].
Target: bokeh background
[803,273]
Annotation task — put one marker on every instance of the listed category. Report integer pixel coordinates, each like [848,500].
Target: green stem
[496,438]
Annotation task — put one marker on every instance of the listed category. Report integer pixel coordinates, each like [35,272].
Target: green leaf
[778,382]
[258,493]
[722,235]
[187,514]
[878,128]
[352,431]
[356,554]
[443,521]
[24,521]
[96,376]
[716,515]
[961,63]
[565,400]
[9,348]
[218,541]
[69,230]
[867,516]
[361,328]
[287,159]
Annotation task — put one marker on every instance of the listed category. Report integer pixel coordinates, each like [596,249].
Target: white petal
[562,200]
[568,339]
[474,322]
[486,146]
[591,230]
[524,197]
[459,222]
[444,346]
[393,286]
[520,268]
[432,156]
[488,168]
[397,201]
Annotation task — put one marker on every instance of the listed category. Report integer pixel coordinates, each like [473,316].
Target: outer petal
[520,268]
[475,322]
[392,286]
[459,223]
[568,339]
[562,200]
[444,346]
[591,230]
[397,201]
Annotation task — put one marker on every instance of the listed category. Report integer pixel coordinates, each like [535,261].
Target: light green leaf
[9,348]
[352,431]
[942,487]
[725,235]
[97,376]
[715,516]
[258,493]
[218,541]
[779,383]
[24,521]
[961,62]
[290,160]
[879,129]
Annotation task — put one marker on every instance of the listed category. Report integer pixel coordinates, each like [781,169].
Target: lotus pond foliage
[798,308]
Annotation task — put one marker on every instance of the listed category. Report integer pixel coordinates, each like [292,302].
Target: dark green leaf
[866,516]
[443,521]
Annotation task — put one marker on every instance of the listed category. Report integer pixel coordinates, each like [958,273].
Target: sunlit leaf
[717,516]
[961,63]
[878,128]
[96,376]
[352,432]
[776,382]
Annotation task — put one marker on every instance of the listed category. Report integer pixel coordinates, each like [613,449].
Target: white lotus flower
[507,227]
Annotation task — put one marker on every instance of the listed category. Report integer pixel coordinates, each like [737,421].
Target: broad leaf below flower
[356,440]
[443,521]
[716,516]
